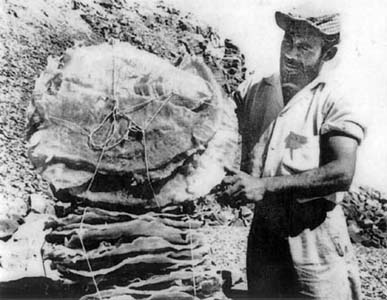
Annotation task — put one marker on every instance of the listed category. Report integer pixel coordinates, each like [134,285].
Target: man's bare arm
[335,174]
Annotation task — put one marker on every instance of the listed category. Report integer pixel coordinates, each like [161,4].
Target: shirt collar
[320,79]
[318,83]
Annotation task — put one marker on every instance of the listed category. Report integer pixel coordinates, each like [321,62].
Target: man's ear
[330,53]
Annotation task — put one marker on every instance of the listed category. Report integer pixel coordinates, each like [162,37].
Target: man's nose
[292,54]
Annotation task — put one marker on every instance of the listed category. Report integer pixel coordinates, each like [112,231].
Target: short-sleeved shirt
[291,143]
[261,103]
[287,142]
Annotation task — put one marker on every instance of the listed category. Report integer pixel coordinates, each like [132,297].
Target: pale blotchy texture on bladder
[128,142]
[134,123]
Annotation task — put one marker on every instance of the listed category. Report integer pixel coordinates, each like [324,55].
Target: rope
[140,105]
[147,169]
[132,127]
[158,110]
[114,116]
[192,258]
[69,123]
[80,232]
[86,257]
[104,147]
[146,160]
[41,256]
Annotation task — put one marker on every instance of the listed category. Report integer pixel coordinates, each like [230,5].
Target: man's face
[301,57]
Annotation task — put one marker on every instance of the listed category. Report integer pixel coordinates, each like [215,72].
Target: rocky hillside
[32,33]
[366,211]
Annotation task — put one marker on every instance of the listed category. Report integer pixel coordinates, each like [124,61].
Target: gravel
[228,248]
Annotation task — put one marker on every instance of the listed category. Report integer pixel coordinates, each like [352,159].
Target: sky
[362,60]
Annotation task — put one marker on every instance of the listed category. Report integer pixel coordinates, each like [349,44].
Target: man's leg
[270,272]
[324,260]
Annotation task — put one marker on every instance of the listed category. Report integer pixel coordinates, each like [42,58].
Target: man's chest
[293,139]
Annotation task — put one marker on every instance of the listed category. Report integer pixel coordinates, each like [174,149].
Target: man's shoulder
[329,83]
[255,81]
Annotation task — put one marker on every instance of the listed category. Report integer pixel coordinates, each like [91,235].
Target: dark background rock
[366,212]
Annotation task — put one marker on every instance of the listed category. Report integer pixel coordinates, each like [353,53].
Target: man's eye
[287,39]
[304,47]
[288,43]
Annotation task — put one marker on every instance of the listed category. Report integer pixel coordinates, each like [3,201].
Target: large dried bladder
[128,142]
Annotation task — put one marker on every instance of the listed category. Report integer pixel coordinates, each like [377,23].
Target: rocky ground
[228,243]
[30,33]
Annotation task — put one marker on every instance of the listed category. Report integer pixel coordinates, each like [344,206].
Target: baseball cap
[326,23]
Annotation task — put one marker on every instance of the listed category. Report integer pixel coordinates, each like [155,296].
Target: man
[300,138]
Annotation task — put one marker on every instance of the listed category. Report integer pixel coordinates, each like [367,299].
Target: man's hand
[244,186]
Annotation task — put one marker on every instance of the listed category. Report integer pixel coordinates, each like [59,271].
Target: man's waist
[285,216]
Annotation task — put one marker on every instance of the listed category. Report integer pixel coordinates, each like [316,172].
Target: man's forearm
[330,178]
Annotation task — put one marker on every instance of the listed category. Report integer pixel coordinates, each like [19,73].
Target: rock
[246,212]
[7,228]
[107,3]
[21,255]
[231,277]
[75,4]
[365,212]
[3,120]
[62,209]
[40,204]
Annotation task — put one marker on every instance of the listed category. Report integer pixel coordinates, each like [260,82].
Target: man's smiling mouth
[291,68]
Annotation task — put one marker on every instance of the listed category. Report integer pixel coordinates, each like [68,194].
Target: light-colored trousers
[301,251]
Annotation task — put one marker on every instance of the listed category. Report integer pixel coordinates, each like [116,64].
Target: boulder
[41,204]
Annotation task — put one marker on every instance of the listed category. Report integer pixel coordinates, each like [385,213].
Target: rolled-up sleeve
[340,115]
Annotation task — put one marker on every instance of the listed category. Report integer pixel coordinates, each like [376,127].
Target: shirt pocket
[301,153]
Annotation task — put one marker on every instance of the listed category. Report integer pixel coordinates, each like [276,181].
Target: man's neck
[289,92]
[290,89]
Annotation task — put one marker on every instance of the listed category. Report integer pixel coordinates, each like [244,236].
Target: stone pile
[366,211]
[170,34]
[128,143]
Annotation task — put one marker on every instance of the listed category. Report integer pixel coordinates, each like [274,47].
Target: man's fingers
[233,192]
[234,189]
[230,179]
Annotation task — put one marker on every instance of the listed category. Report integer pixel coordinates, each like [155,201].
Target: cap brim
[285,20]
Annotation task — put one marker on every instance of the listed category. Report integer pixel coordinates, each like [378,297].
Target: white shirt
[291,144]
